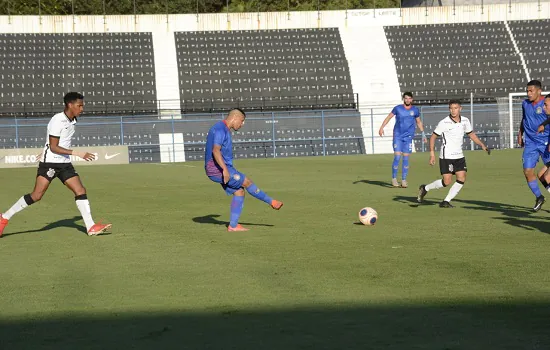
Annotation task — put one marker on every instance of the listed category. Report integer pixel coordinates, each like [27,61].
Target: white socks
[436,185]
[17,207]
[457,186]
[84,206]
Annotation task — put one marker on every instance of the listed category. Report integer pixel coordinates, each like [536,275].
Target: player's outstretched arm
[421,128]
[55,148]
[432,148]
[478,142]
[384,123]
[217,153]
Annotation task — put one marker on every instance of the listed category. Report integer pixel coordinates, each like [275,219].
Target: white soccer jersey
[59,126]
[452,134]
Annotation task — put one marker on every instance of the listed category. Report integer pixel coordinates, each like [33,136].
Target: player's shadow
[514,215]
[413,202]
[67,223]
[211,219]
[375,182]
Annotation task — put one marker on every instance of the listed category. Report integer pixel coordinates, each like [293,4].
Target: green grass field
[307,277]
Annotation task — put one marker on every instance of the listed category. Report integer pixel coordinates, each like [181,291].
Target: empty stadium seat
[114,71]
[445,61]
[532,43]
[263,70]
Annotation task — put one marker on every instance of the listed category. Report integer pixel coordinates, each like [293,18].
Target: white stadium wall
[371,65]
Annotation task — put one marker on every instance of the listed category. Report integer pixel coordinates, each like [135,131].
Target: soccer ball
[368,216]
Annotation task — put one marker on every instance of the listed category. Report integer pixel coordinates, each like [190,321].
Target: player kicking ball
[218,164]
[451,157]
[55,162]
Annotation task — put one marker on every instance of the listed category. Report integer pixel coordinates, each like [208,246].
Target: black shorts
[451,166]
[63,171]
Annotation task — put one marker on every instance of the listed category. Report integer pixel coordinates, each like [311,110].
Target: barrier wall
[146,139]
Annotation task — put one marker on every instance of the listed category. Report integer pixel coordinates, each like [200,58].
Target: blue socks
[405,167]
[237,204]
[395,165]
[534,186]
[257,193]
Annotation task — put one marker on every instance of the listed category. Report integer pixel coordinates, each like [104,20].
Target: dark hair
[238,109]
[547,96]
[408,93]
[454,102]
[70,97]
[535,83]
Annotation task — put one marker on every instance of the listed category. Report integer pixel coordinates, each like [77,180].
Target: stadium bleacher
[534,45]
[289,69]
[115,72]
[445,61]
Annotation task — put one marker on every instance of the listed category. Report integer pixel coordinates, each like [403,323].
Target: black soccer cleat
[538,204]
[421,193]
[445,204]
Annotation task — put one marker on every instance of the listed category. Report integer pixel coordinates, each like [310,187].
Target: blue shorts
[532,153]
[235,183]
[402,144]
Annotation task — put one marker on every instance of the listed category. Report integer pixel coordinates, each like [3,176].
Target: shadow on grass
[212,220]
[521,217]
[67,223]
[442,326]
[375,183]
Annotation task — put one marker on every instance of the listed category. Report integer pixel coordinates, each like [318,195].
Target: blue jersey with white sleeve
[405,121]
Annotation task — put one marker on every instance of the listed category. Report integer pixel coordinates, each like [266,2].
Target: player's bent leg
[237,204]
[83,205]
[547,174]
[40,187]
[405,170]
[395,166]
[424,189]
[534,186]
[454,190]
[542,177]
[255,192]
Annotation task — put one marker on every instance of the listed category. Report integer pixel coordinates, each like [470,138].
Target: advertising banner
[29,157]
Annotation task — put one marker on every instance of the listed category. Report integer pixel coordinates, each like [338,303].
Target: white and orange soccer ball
[368,216]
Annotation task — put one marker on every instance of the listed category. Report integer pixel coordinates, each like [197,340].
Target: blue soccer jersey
[405,121]
[535,143]
[533,116]
[219,134]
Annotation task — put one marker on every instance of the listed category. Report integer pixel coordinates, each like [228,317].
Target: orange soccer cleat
[276,204]
[3,224]
[98,229]
[237,228]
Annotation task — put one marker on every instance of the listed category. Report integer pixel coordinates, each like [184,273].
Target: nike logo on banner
[107,156]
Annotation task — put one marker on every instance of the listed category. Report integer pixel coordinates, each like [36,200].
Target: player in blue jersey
[535,143]
[407,118]
[218,164]
[545,180]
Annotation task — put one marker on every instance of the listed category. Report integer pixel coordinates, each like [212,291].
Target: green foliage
[118,7]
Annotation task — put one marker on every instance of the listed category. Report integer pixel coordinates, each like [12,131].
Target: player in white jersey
[451,157]
[55,162]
